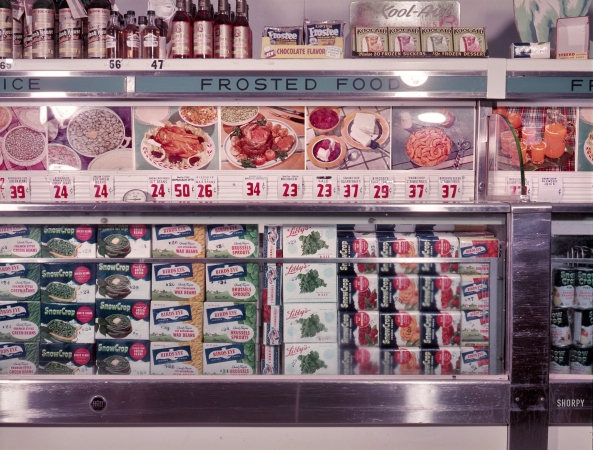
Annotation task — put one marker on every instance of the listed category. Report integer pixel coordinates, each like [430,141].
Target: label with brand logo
[176,321]
[304,282]
[229,359]
[72,283]
[398,292]
[232,241]
[178,241]
[123,357]
[19,321]
[20,241]
[475,292]
[397,245]
[439,292]
[309,241]
[65,323]
[232,282]
[69,241]
[18,358]
[310,322]
[178,282]
[475,360]
[170,358]
[67,359]
[19,282]
[230,322]
[311,359]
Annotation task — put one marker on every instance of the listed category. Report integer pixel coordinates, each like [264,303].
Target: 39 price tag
[381,188]
[417,187]
[514,186]
[182,188]
[351,187]
[290,187]
[159,188]
[15,189]
[102,188]
[6,64]
[450,188]
[325,187]
[114,64]
[255,187]
[550,189]
[206,187]
[62,189]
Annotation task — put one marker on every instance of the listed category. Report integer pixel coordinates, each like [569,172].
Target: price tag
[183,188]
[550,189]
[114,64]
[290,187]
[206,187]
[381,188]
[102,189]
[450,188]
[15,189]
[157,64]
[255,187]
[351,187]
[159,188]
[417,187]
[62,188]
[514,186]
[6,64]
[325,187]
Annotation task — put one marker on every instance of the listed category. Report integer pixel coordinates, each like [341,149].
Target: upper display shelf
[351,79]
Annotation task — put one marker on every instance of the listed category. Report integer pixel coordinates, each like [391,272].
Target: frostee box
[64,323]
[178,282]
[123,357]
[68,241]
[309,241]
[173,358]
[310,322]
[230,322]
[120,319]
[311,359]
[18,358]
[232,282]
[20,241]
[304,282]
[232,241]
[178,241]
[66,359]
[19,321]
[19,282]
[123,241]
[68,283]
[176,321]
[123,281]
[230,359]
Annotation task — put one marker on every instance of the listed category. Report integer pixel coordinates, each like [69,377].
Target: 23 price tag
[381,188]
[325,187]
[62,189]
[450,188]
[183,188]
[417,187]
[206,188]
[102,188]
[290,187]
[351,187]
[255,187]
[15,189]
[159,188]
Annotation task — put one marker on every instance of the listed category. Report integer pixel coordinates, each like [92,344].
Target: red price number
[350,190]
[158,190]
[324,190]
[61,192]
[380,191]
[18,192]
[182,190]
[101,191]
[253,189]
[205,190]
[416,191]
[290,190]
[449,191]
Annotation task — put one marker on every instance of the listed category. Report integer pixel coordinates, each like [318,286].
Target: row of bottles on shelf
[104,33]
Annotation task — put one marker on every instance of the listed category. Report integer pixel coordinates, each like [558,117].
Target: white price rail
[102,188]
[351,187]
[381,188]
[450,188]
[290,187]
[206,188]
[550,189]
[62,188]
[417,187]
[182,188]
[159,188]
[325,187]
[255,187]
[15,189]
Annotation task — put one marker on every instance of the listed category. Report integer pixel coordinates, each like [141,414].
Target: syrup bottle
[241,32]
[203,31]
[131,38]
[69,33]
[5,29]
[114,37]
[98,19]
[43,29]
[150,38]
[223,32]
[181,33]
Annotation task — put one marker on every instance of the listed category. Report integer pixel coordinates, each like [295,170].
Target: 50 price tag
[381,188]
[206,187]
[325,187]
[102,188]
[290,187]
[255,187]
[62,189]
[159,188]
[417,187]
[15,189]
[183,188]
[450,188]
[351,187]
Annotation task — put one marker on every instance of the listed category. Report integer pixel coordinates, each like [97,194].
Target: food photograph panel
[89,138]
[585,143]
[176,137]
[23,138]
[433,138]
[264,137]
[348,138]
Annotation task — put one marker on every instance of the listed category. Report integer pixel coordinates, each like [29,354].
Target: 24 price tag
[183,188]
[102,188]
[15,189]
[514,186]
[325,187]
[550,189]
[380,188]
[290,187]
[62,189]
[206,188]
[417,187]
[450,188]
[351,187]
[159,188]
[255,187]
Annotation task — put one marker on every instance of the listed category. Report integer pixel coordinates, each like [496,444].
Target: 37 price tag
[450,188]
[159,188]
[206,188]
[255,187]
[62,189]
[325,187]
[290,187]
[351,187]
[550,189]
[182,188]
[102,188]
[381,188]
[15,189]
[417,187]
[514,186]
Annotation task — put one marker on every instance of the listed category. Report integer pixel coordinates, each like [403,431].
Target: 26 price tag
[550,189]
[450,188]
[206,188]
[417,187]
[183,188]
[325,187]
[514,186]
[102,188]
[380,188]
[255,187]
[62,189]
[290,187]
[15,189]
[351,187]
[159,188]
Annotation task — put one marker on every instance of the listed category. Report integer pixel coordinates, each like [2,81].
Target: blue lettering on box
[216,232]
[219,272]
[164,272]
[224,354]
[14,311]
[171,355]
[224,314]
[172,232]
[172,314]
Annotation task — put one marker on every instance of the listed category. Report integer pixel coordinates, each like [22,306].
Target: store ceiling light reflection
[414,79]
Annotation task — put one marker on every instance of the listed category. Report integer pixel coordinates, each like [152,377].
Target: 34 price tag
[450,188]
[206,188]
[159,188]
[550,189]
[325,187]
[514,186]
[15,189]
[102,188]
[290,187]
[62,189]
[183,188]
[255,187]
[380,188]
[417,187]
[351,187]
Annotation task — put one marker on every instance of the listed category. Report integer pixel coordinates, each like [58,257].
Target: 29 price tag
[183,188]
[255,187]
[290,187]
[417,187]
[206,188]
[550,189]
[15,189]
[325,187]
[351,187]
[450,188]
[514,186]
[159,188]
[62,189]
[380,188]
[101,188]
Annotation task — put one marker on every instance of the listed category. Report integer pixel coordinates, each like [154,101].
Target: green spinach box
[123,281]
[18,358]
[66,359]
[232,241]
[19,321]
[65,323]
[20,241]
[123,241]
[68,283]
[304,282]
[232,282]
[68,241]
[123,357]
[230,322]
[19,282]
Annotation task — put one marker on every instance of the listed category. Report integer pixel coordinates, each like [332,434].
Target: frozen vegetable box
[123,241]
[18,358]
[20,241]
[311,359]
[19,321]
[178,241]
[230,322]
[64,323]
[19,282]
[232,282]
[68,241]
[232,241]
[123,357]
[68,283]
[230,359]
[184,282]
[66,359]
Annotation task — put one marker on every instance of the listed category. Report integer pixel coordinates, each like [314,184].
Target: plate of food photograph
[199,116]
[235,116]
[363,128]
[327,151]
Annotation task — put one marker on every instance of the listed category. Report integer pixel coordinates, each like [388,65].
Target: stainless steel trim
[572,208]
[481,139]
